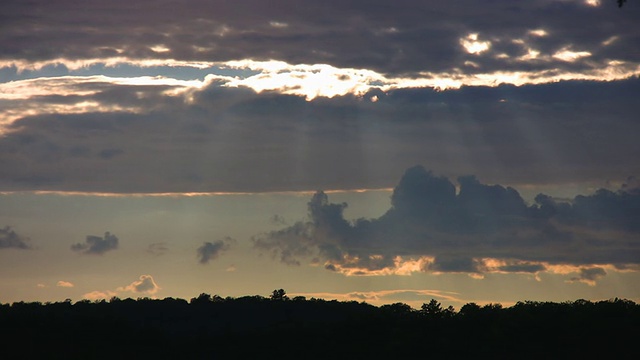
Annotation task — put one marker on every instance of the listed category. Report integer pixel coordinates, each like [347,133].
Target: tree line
[277,326]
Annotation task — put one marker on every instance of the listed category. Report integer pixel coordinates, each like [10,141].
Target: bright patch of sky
[474,46]
[318,79]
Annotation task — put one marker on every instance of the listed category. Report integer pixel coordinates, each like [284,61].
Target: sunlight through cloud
[473,46]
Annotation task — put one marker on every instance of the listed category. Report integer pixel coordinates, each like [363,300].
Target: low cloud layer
[214,138]
[437,226]
[212,250]
[96,245]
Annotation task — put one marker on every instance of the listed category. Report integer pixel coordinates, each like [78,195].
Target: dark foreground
[278,327]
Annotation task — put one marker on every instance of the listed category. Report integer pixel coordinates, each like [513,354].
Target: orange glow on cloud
[64,284]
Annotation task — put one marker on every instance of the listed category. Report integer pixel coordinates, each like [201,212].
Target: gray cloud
[233,139]
[96,245]
[406,37]
[212,250]
[589,275]
[460,229]
[10,239]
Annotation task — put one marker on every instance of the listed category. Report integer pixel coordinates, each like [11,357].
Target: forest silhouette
[277,326]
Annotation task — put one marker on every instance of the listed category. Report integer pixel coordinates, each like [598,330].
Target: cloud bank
[409,38]
[437,226]
[101,135]
[91,103]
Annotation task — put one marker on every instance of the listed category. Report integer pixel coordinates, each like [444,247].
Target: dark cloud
[459,230]
[233,139]
[403,37]
[603,210]
[443,263]
[96,245]
[10,239]
[589,275]
[211,250]
[632,185]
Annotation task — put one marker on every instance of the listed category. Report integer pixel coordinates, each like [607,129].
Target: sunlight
[473,46]
[538,32]
[279,25]
[161,48]
[570,56]
[403,267]
[610,40]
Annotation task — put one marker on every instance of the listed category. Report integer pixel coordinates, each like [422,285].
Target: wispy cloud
[99,295]
[157,249]
[413,297]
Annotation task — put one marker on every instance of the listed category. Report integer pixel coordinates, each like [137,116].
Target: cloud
[408,38]
[63,283]
[10,239]
[555,133]
[211,250]
[96,245]
[436,226]
[589,275]
[412,297]
[99,295]
[157,249]
[145,285]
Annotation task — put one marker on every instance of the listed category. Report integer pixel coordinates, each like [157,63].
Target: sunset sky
[377,151]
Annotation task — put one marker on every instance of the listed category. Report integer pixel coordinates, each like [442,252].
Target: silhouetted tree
[469,309]
[171,327]
[201,299]
[433,309]
[279,295]
[398,308]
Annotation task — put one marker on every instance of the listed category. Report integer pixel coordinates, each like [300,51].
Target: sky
[376,151]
